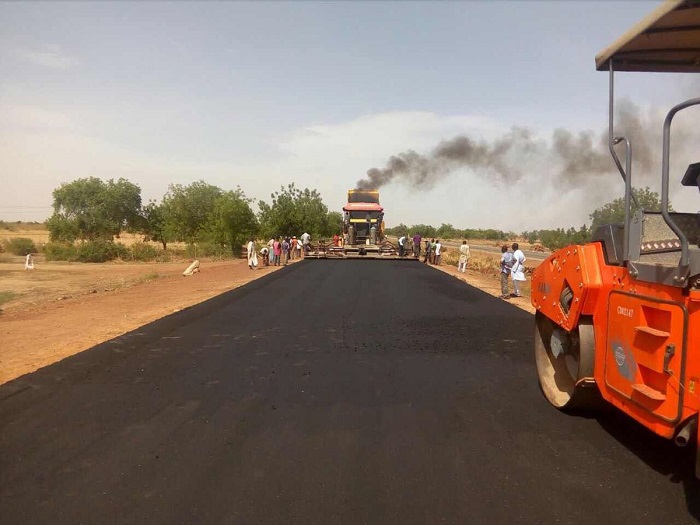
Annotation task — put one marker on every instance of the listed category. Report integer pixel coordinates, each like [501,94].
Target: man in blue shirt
[506,265]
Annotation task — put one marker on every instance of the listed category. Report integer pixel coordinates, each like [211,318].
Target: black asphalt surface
[330,392]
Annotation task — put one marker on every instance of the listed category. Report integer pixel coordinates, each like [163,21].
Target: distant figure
[416,244]
[517,272]
[305,239]
[506,264]
[463,257]
[29,262]
[252,255]
[265,254]
[293,247]
[285,251]
[402,246]
[276,252]
[428,248]
[336,239]
[438,252]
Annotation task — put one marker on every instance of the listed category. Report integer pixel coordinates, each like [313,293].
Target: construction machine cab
[661,246]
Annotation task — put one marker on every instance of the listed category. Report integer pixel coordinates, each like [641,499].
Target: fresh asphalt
[330,392]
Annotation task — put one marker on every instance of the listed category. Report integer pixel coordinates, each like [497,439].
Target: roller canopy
[668,40]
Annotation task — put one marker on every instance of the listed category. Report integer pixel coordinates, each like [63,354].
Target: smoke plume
[573,159]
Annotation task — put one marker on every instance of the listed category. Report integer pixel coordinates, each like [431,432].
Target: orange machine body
[646,334]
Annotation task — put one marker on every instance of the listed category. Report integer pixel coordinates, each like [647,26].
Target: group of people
[433,252]
[513,266]
[279,251]
[411,244]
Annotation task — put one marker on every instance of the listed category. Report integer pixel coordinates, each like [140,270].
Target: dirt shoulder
[488,283]
[61,309]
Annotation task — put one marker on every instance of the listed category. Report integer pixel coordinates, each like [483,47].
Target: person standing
[416,245]
[438,252]
[29,262]
[506,264]
[428,248]
[285,251]
[252,255]
[277,252]
[517,272]
[463,257]
[305,239]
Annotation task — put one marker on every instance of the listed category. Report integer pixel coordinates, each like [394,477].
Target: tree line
[90,209]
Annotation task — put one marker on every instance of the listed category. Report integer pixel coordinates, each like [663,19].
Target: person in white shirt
[402,243]
[29,262]
[252,255]
[463,257]
[438,252]
[517,272]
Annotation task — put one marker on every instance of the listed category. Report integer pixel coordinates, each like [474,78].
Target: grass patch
[6,297]
[150,276]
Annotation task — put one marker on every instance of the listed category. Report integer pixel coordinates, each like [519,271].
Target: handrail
[664,181]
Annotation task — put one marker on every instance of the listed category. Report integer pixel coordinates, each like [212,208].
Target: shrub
[204,249]
[20,246]
[60,251]
[101,251]
[141,251]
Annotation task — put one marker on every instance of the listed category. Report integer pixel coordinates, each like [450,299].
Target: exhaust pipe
[685,433]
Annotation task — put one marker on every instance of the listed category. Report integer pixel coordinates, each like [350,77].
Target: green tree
[153,224]
[232,222]
[91,209]
[294,211]
[447,231]
[614,212]
[186,211]
[334,224]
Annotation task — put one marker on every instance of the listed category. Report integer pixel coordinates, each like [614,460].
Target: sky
[259,95]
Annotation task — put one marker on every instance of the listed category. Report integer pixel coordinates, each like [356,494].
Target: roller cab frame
[618,319]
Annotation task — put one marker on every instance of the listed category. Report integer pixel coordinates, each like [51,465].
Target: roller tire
[558,377]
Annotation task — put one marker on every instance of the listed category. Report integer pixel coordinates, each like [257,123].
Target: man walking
[517,272]
[506,263]
[438,252]
[463,257]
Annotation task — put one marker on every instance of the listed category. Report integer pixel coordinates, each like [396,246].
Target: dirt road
[329,392]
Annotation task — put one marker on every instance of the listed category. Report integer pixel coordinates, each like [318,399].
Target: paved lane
[330,392]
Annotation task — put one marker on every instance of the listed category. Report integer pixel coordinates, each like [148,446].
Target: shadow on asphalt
[662,455]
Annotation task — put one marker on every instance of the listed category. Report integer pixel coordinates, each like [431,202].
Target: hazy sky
[258,95]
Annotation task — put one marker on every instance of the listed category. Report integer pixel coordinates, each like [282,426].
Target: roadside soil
[61,309]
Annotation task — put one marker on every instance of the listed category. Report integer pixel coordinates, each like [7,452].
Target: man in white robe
[252,255]
[463,257]
[517,271]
